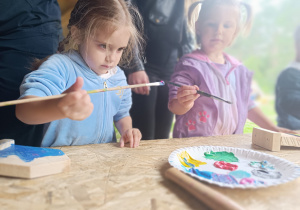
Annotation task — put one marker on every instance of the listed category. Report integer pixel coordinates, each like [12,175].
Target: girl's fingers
[76,105]
[128,137]
[132,136]
[188,98]
[122,142]
[137,137]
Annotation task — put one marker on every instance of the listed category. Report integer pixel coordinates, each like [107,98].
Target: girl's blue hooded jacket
[56,75]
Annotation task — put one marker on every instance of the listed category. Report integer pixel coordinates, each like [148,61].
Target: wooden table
[105,176]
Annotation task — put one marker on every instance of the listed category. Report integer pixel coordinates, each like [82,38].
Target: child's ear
[75,34]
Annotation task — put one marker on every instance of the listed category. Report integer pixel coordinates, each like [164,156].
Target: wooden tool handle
[207,195]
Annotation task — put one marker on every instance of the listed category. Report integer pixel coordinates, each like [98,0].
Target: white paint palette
[250,172]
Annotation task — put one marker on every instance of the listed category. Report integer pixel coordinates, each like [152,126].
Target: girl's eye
[121,49]
[227,26]
[102,46]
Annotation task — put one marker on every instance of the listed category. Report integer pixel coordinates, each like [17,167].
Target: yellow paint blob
[187,161]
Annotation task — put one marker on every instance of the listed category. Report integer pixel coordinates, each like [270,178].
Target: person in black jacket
[288,92]
[167,39]
[28,30]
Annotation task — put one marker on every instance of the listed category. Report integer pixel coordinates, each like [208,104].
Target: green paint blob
[221,156]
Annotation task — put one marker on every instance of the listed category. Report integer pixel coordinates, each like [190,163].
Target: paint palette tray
[233,167]
[30,162]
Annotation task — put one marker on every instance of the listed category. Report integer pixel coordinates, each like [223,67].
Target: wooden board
[30,162]
[273,140]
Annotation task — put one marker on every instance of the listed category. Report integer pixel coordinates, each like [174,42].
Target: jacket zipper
[104,111]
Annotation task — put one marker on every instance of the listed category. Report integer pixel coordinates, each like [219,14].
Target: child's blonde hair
[88,16]
[198,15]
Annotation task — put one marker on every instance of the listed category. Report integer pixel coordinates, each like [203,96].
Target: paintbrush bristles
[28,100]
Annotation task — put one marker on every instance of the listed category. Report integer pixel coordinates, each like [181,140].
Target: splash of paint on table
[28,154]
[221,156]
[186,160]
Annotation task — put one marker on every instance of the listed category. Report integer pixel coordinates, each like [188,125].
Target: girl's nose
[110,57]
[219,29]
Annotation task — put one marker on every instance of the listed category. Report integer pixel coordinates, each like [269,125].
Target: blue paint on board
[28,154]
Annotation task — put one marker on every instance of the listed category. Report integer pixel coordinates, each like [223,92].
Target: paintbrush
[202,93]
[21,101]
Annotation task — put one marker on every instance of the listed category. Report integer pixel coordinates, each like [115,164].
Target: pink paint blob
[247,181]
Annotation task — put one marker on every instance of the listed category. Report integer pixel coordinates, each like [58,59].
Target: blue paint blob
[227,179]
[240,174]
[204,174]
[28,154]
[184,169]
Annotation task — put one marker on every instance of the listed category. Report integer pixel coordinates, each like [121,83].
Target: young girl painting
[102,33]
[211,70]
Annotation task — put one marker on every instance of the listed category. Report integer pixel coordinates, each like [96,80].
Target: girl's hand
[132,136]
[76,105]
[186,95]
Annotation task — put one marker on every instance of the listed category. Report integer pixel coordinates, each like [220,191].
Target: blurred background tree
[269,47]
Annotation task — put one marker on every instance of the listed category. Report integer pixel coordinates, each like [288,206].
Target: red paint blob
[225,165]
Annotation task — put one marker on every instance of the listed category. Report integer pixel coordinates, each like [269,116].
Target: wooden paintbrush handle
[28,100]
[207,195]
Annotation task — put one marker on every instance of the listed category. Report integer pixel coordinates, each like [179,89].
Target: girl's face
[218,29]
[102,52]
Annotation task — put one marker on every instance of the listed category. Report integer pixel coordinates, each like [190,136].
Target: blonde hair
[108,15]
[198,14]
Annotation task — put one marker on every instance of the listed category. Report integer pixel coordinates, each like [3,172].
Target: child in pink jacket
[211,70]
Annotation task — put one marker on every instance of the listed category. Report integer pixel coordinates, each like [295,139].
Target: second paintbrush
[202,93]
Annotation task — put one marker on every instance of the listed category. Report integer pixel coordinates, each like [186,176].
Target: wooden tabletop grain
[106,176]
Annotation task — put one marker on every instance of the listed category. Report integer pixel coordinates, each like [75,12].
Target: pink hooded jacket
[201,120]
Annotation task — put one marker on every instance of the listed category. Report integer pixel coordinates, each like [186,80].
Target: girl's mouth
[105,66]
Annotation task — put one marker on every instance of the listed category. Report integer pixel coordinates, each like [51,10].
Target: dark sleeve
[136,63]
[288,92]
